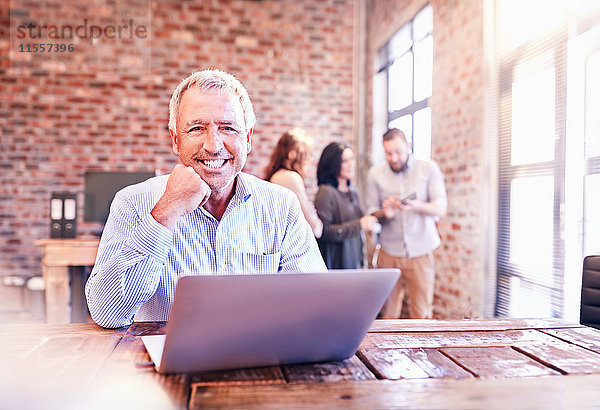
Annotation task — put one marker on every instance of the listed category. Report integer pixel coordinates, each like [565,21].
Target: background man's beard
[398,169]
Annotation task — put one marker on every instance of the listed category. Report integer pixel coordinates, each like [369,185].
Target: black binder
[63,215]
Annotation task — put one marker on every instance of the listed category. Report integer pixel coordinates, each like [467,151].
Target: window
[591,218]
[548,97]
[402,86]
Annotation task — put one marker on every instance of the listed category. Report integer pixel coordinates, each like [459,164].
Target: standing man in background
[407,195]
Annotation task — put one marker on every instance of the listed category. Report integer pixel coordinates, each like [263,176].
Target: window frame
[386,57]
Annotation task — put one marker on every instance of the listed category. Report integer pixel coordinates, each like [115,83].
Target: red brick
[88,120]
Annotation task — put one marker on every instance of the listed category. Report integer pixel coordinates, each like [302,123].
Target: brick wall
[457,107]
[295,58]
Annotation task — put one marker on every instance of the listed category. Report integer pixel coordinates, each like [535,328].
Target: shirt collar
[243,190]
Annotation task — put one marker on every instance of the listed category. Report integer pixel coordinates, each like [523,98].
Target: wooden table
[401,363]
[57,256]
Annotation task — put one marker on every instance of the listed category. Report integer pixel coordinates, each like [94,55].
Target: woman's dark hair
[291,153]
[328,169]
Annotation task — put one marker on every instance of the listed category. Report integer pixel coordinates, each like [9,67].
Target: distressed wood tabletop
[495,363]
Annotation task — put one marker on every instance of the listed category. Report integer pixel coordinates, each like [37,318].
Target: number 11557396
[46,48]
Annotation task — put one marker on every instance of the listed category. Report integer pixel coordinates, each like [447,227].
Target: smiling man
[205,218]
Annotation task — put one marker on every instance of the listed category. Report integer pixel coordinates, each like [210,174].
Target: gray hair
[212,80]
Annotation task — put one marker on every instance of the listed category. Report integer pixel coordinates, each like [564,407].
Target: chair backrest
[590,292]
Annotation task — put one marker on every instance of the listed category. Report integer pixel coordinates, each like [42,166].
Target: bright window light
[424,74]
[422,139]
[526,19]
[533,128]
[592,105]
[592,214]
[531,225]
[400,83]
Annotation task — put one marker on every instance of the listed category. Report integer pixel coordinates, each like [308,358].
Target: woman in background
[288,167]
[339,208]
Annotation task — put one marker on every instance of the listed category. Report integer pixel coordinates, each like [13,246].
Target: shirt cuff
[151,238]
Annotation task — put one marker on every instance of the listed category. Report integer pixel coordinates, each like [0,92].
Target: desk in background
[58,255]
[401,363]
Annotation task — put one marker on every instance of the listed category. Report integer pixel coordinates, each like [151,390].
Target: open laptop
[239,321]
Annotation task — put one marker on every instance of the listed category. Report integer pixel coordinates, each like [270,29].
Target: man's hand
[185,192]
[409,204]
[390,206]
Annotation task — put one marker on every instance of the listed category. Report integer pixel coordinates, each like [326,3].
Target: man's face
[212,137]
[396,153]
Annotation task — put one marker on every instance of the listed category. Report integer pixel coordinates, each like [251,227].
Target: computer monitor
[101,187]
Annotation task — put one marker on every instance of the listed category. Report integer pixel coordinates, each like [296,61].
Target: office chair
[590,292]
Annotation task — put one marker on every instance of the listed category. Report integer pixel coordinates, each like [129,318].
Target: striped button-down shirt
[140,260]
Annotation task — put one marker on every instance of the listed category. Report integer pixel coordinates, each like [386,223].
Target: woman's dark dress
[341,243]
